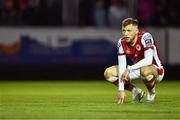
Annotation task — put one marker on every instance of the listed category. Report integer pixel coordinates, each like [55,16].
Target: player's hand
[125,75]
[121,97]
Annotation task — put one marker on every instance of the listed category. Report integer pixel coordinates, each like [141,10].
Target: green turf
[83,100]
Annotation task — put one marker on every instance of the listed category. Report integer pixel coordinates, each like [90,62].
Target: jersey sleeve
[147,41]
[147,60]
[120,49]
[121,64]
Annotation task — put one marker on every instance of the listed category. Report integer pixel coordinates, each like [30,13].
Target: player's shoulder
[146,35]
[121,40]
[147,39]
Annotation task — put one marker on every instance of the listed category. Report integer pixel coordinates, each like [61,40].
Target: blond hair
[129,21]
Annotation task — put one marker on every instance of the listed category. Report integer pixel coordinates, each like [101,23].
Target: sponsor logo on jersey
[148,39]
[148,42]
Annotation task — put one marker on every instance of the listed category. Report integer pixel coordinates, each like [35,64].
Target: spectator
[22,6]
[145,12]
[9,15]
[86,13]
[161,16]
[117,12]
[100,14]
[31,14]
[173,13]
[51,12]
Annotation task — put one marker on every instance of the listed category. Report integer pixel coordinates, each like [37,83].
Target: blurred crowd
[99,13]
[30,12]
[159,12]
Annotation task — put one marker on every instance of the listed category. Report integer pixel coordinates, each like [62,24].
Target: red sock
[150,84]
[116,83]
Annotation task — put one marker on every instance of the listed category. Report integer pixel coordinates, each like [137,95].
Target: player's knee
[145,72]
[108,74]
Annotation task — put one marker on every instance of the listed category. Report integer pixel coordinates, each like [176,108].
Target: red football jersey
[136,51]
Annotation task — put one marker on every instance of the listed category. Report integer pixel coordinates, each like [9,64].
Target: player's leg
[111,74]
[150,76]
[137,94]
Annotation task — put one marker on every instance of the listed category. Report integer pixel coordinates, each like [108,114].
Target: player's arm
[121,69]
[147,42]
[147,60]
[121,65]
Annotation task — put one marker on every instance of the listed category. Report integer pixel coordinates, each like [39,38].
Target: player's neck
[134,41]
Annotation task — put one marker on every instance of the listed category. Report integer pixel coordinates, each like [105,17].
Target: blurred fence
[60,53]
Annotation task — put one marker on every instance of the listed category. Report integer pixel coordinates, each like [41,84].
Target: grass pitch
[83,100]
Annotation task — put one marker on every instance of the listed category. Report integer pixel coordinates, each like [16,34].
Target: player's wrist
[121,86]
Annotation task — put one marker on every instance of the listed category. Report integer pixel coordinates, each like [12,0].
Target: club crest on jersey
[138,47]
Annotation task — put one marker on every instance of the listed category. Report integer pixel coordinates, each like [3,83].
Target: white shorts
[135,74]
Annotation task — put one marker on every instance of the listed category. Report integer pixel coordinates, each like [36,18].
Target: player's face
[130,33]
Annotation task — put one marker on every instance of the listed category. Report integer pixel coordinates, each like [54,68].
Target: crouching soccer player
[141,49]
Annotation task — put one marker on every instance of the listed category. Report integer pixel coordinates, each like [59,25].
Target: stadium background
[76,39]
[53,54]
